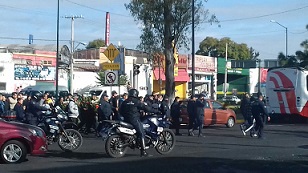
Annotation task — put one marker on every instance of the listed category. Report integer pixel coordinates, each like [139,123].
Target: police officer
[260,114]
[34,110]
[104,111]
[176,114]
[163,106]
[191,110]
[130,109]
[200,104]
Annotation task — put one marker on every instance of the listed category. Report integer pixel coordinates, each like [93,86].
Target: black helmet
[36,95]
[133,93]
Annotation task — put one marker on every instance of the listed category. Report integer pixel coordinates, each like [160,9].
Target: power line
[266,15]
[19,38]
[103,11]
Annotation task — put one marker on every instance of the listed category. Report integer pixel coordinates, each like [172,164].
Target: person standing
[200,104]
[13,100]
[191,110]
[104,111]
[2,105]
[73,110]
[260,114]
[114,101]
[20,112]
[175,115]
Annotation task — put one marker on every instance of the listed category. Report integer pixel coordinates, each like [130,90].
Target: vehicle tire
[72,135]
[13,152]
[112,146]
[230,122]
[166,142]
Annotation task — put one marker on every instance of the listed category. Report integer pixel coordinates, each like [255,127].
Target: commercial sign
[31,72]
[202,63]
[111,66]
[181,63]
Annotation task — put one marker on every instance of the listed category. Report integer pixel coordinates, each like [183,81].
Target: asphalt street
[223,150]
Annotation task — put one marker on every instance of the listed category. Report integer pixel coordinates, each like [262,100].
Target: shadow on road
[182,165]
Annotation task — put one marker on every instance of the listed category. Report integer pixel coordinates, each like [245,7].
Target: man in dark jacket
[191,110]
[20,112]
[247,114]
[175,115]
[163,107]
[260,114]
[200,104]
[104,111]
[34,111]
[114,101]
[130,109]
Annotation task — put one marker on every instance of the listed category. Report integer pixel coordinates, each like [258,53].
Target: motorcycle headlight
[37,132]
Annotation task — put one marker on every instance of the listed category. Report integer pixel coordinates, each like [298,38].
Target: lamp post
[193,50]
[273,21]
[57,60]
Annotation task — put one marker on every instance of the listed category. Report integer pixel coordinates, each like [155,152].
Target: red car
[214,113]
[18,139]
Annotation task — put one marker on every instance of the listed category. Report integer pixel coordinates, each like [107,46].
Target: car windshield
[96,92]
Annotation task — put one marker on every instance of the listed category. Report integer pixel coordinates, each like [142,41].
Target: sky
[243,21]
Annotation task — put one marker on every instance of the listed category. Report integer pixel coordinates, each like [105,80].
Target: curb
[239,121]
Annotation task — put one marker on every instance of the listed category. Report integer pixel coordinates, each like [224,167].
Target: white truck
[287,92]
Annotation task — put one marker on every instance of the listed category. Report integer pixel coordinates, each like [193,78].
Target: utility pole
[193,50]
[226,72]
[57,61]
[71,76]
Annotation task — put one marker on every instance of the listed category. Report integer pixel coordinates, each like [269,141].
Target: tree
[217,48]
[166,23]
[96,43]
[299,59]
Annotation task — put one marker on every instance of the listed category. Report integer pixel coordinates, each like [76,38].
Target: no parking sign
[111,77]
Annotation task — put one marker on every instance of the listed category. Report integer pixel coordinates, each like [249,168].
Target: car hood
[14,125]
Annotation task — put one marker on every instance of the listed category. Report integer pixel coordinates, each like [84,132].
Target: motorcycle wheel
[112,147]
[166,142]
[72,135]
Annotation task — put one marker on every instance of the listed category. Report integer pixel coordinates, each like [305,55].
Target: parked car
[234,99]
[18,139]
[214,113]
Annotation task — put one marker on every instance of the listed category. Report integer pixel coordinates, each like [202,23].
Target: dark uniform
[191,110]
[260,114]
[34,109]
[104,111]
[130,109]
[200,104]
[20,113]
[175,115]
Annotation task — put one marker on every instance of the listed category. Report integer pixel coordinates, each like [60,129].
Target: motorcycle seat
[127,125]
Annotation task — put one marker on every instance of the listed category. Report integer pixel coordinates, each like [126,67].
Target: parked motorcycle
[57,129]
[120,135]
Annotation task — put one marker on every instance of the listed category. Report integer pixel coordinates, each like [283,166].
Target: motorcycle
[120,135]
[57,129]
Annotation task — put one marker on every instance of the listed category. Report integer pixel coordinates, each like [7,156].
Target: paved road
[223,150]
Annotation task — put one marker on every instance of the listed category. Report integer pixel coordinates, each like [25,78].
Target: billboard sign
[31,72]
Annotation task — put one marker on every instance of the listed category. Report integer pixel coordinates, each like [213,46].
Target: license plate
[160,129]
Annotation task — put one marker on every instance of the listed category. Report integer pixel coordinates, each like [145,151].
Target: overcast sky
[244,21]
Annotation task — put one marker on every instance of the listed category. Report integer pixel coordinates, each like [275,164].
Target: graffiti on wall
[30,72]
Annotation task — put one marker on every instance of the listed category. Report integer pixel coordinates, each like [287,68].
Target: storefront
[181,77]
[205,75]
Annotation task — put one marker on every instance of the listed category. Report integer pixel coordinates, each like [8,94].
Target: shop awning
[182,75]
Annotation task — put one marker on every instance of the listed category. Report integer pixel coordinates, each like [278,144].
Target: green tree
[217,48]
[101,78]
[96,43]
[166,22]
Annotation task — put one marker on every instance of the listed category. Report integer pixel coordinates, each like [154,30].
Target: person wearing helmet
[130,110]
[34,109]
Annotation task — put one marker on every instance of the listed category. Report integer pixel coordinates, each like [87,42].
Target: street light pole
[71,76]
[273,21]
[226,72]
[193,50]
[57,60]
